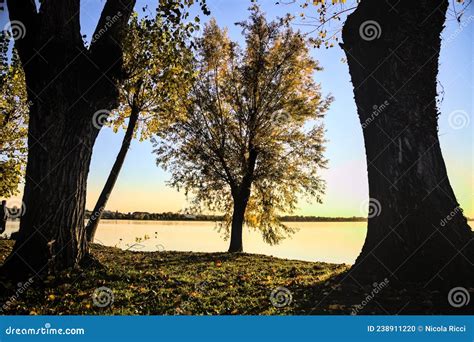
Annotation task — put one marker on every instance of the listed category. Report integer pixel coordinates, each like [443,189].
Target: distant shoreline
[142,216]
[329,219]
[169,216]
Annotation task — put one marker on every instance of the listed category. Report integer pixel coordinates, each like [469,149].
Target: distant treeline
[169,216]
[322,219]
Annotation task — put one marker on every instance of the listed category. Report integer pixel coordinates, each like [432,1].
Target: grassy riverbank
[208,284]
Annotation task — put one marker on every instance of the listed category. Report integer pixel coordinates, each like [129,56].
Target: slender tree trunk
[67,86]
[240,204]
[94,220]
[241,198]
[416,230]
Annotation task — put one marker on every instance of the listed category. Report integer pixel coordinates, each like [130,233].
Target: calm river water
[337,242]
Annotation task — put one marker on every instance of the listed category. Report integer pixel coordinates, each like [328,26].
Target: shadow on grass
[186,283]
[343,294]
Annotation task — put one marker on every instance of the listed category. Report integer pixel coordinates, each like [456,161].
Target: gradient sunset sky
[142,185]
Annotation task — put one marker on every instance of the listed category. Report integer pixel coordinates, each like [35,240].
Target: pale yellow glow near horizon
[346,190]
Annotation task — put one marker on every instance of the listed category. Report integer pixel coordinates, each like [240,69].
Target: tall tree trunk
[67,84]
[416,230]
[51,234]
[94,220]
[241,198]
[240,204]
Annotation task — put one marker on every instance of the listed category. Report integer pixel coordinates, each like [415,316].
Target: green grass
[173,283]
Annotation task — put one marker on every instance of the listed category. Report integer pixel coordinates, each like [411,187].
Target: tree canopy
[14,120]
[157,64]
[253,116]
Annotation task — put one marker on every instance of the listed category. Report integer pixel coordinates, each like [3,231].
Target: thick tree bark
[67,84]
[416,231]
[94,220]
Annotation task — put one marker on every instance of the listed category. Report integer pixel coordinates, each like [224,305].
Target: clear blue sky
[142,185]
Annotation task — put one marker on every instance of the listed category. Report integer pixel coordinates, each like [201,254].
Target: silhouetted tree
[70,86]
[157,67]
[67,83]
[417,230]
[246,147]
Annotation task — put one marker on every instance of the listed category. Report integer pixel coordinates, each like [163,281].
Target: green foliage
[175,11]
[252,114]
[157,66]
[14,120]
